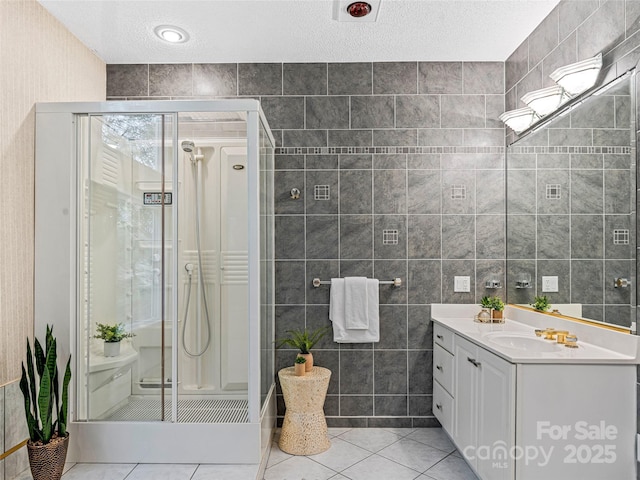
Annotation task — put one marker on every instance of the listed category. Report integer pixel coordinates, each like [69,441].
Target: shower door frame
[57,280]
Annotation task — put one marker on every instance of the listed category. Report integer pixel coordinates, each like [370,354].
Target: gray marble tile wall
[568,210]
[573,31]
[401,165]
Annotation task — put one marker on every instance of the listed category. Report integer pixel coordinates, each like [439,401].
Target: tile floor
[355,453]
[375,454]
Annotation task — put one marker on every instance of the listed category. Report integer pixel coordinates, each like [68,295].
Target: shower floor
[189,411]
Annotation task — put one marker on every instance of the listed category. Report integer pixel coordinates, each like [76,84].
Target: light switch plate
[461,284]
[549,284]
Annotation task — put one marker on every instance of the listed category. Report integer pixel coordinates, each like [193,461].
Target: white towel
[336,301]
[337,314]
[356,313]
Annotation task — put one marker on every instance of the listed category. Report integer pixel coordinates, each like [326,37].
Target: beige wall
[40,61]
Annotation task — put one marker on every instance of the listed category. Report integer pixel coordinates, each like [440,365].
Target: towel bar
[396,282]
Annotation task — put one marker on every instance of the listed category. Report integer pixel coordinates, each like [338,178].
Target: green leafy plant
[497,304]
[541,303]
[112,333]
[41,395]
[301,339]
[300,360]
[494,303]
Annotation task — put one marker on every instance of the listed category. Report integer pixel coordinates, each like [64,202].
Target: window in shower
[125,233]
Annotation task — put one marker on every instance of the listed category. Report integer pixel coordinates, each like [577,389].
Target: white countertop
[595,345]
[99,362]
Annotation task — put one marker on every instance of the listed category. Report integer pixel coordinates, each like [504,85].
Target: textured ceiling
[121,31]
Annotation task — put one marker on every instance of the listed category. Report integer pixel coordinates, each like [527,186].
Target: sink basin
[523,342]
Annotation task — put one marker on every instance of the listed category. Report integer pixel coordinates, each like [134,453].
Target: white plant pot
[111,349]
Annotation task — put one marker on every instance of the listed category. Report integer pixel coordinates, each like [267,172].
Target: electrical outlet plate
[549,284]
[461,284]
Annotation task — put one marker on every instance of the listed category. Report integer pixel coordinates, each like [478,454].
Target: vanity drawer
[443,337]
[443,407]
[443,368]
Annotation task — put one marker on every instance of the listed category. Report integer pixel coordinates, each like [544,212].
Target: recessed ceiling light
[171,33]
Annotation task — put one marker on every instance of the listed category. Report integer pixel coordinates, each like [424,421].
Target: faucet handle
[540,332]
[571,341]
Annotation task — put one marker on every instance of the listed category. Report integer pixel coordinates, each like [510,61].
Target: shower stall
[159,216]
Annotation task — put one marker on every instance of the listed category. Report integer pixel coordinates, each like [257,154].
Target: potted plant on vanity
[46,409]
[112,336]
[495,305]
[304,341]
[541,303]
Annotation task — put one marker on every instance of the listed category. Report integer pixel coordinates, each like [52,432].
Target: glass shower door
[125,208]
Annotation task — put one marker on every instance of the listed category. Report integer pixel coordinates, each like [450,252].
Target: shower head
[188,146]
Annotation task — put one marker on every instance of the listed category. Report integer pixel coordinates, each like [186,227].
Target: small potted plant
[112,336]
[46,409]
[304,341]
[541,303]
[497,306]
[485,313]
[299,365]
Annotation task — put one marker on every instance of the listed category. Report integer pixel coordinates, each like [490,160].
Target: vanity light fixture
[578,77]
[520,119]
[171,34]
[546,100]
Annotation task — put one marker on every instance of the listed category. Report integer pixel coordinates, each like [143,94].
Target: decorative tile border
[563,149]
[384,150]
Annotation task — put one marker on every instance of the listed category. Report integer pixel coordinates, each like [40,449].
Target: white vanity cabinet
[532,421]
[443,376]
[484,409]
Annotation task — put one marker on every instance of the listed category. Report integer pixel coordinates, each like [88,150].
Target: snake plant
[40,388]
[302,339]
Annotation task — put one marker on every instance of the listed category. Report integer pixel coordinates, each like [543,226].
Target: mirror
[571,208]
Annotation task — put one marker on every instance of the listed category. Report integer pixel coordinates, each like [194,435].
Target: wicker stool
[304,429]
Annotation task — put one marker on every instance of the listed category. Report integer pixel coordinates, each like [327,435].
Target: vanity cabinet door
[465,397]
[484,410]
[495,416]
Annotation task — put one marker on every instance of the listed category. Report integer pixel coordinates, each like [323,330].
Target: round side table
[304,429]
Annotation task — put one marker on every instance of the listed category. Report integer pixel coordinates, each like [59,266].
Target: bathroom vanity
[519,407]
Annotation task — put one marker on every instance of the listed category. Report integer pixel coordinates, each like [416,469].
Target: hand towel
[356,313]
[336,301]
[336,314]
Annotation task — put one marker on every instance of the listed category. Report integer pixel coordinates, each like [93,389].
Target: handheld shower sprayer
[188,146]
[196,157]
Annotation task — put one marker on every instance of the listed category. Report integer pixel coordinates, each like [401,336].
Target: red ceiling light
[359,9]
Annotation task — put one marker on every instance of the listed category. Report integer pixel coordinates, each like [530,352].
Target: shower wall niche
[159,216]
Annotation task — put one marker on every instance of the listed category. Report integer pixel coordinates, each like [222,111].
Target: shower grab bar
[396,282]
